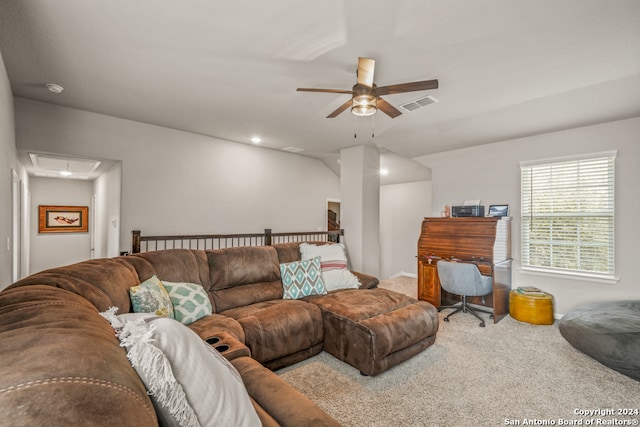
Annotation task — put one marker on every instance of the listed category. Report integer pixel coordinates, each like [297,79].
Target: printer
[464,211]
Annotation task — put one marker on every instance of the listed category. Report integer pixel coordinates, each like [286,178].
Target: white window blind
[568,215]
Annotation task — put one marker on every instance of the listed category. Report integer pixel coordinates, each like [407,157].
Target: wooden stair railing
[141,243]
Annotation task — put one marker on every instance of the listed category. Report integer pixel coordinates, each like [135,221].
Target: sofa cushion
[278,328]
[333,262]
[174,265]
[288,252]
[302,279]
[243,276]
[180,369]
[103,282]
[151,297]
[190,301]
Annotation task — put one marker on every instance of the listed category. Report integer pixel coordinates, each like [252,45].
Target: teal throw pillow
[190,301]
[150,296]
[302,278]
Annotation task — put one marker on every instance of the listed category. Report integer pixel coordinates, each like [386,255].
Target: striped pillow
[333,263]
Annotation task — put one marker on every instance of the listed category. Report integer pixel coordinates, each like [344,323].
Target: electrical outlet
[8,243]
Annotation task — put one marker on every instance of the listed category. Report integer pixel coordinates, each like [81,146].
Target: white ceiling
[55,166]
[507,68]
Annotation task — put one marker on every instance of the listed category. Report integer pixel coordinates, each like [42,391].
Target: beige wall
[106,213]
[492,173]
[402,208]
[7,164]
[50,250]
[179,182]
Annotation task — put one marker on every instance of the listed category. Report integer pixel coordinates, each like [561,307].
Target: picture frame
[63,219]
[498,210]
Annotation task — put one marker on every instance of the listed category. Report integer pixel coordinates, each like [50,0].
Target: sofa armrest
[213,324]
[276,401]
[63,365]
[366,281]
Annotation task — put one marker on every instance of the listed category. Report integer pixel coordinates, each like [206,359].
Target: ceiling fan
[366,95]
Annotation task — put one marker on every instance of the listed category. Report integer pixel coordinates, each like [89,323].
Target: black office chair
[464,279]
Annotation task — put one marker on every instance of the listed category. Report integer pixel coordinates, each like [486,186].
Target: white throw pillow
[184,374]
[333,263]
[155,371]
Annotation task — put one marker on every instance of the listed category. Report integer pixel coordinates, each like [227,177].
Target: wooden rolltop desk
[483,241]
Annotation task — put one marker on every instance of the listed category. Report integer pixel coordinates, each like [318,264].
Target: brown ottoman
[375,329]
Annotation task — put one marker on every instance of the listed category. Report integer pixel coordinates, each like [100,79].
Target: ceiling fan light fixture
[366,94]
[364,105]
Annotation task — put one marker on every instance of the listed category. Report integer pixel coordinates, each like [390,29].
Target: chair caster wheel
[482,325]
[445,319]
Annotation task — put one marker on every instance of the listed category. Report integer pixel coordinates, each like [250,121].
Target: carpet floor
[509,373]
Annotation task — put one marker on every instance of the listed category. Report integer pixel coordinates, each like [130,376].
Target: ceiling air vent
[419,103]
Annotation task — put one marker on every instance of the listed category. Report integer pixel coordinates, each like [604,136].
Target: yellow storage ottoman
[534,309]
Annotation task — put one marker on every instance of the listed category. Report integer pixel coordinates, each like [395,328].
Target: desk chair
[464,279]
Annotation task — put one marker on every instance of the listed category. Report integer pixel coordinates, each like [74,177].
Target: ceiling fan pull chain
[373,126]
[355,128]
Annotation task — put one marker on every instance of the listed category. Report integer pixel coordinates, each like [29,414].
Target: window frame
[527,216]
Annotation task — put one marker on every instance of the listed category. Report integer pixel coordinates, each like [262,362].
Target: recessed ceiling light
[54,88]
[65,173]
[256,140]
[384,171]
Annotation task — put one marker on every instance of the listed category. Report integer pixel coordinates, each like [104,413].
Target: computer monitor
[498,210]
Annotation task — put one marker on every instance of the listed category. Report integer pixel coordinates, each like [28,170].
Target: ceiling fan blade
[339,110]
[308,89]
[387,108]
[407,87]
[366,67]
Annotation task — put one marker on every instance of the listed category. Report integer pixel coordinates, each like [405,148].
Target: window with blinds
[568,215]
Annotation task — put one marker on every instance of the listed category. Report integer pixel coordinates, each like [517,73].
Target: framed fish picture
[63,219]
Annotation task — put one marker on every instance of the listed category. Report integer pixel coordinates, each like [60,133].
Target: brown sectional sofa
[61,363]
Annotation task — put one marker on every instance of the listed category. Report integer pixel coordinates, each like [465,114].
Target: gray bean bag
[609,332]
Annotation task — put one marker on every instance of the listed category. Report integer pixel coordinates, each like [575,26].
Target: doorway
[15,227]
[333,215]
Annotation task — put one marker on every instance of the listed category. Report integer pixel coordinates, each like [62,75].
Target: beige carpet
[471,376]
[403,284]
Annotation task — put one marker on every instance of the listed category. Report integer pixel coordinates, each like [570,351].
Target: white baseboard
[556,316]
[403,273]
